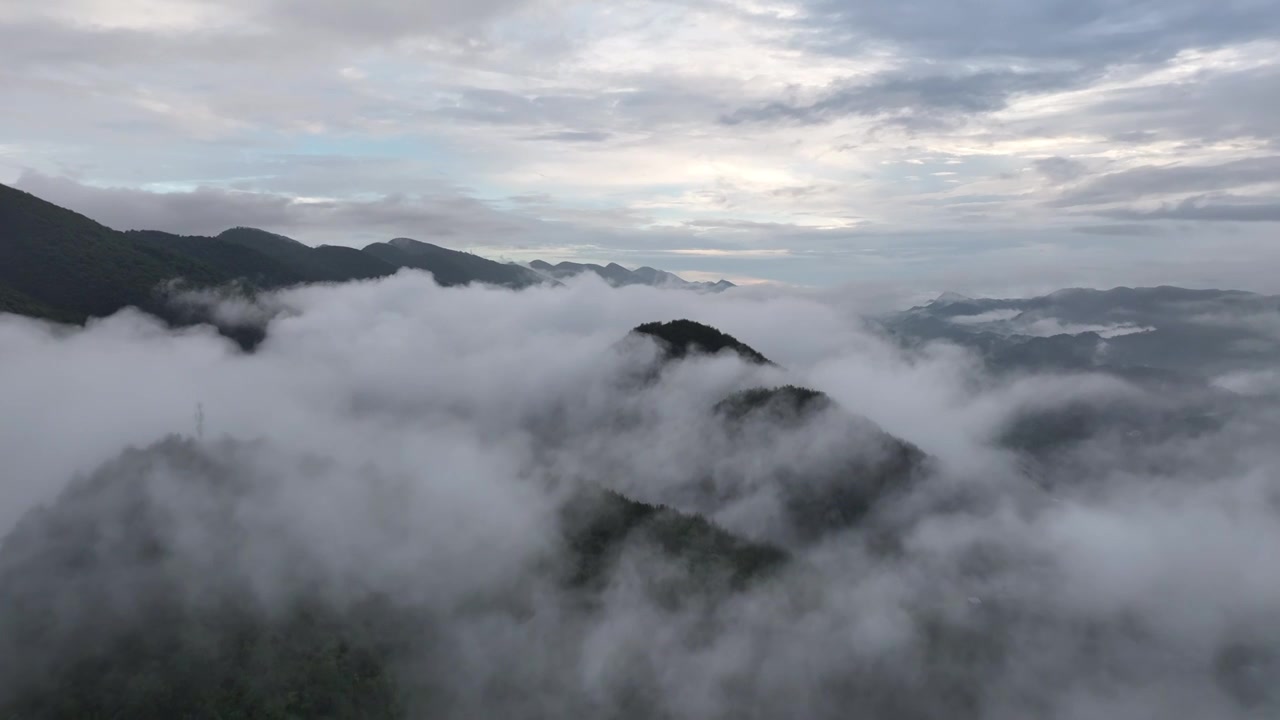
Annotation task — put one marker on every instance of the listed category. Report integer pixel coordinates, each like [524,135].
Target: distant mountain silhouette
[618,276]
[1129,330]
[60,265]
[451,267]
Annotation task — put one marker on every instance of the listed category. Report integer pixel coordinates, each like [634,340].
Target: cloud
[637,119]
[1048,327]
[210,210]
[1257,382]
[1118,230]
[398,439]
[1233,98]
[1094,32]
[908,96]
[573,136]
[1008,321]
[1136,183]
[387,19]
[1211,208]
[985,317]
[1060,169]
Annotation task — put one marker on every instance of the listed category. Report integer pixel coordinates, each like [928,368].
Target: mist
[417,447]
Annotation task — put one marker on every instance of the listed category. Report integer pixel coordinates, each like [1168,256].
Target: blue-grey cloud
[907,95]
[1059,169]
[1213,208]
[1119,230]
[1088,32]
[573,136]
[1141,182]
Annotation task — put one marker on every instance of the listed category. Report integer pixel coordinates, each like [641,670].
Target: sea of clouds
[417,441]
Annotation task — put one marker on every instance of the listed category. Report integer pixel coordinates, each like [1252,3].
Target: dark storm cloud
[925,96]
[1149,180]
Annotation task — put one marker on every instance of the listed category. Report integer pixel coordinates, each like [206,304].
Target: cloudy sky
[814,142]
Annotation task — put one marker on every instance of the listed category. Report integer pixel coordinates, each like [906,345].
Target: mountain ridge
[60,265]
[619,276]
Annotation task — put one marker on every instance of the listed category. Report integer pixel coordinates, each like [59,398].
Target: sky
[950,144]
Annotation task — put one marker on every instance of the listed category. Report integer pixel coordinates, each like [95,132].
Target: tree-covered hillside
[679,338]
[57,264]
[73,268]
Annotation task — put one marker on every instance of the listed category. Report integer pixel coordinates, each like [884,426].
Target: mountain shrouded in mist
[102,612]
[618,276]
[390,509]
[416,497]
[679,338]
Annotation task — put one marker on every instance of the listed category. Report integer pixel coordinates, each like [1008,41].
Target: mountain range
[1196,357]
[618,276]
[60,265]
[1154,330]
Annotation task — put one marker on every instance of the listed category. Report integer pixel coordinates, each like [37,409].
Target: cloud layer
[401,438]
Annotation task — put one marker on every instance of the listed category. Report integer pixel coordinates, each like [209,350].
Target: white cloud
[410,440]
[986,317]
[1046,327]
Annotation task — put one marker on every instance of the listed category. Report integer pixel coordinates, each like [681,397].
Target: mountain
[100,614]
[1130,330]
[138,592]
[326,263]
[64,266]
[1168,347]
[451,267]
[862,468]
[226,258]
[839,465]
[681,338]
[618,276]
[60,265]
